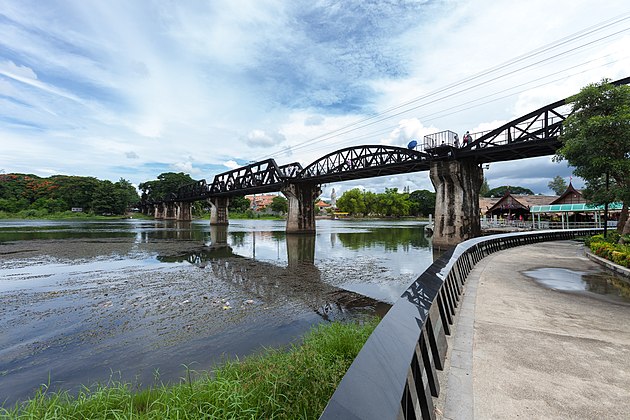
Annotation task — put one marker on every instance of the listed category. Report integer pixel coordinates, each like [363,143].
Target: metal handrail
[394,374]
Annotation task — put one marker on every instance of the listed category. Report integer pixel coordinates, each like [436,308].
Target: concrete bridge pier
[169,211]
[301,214]
[183,211]
[457,184]
[219,211]
[158,211]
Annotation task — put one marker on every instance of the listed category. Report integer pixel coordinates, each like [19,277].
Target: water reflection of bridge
[300,280]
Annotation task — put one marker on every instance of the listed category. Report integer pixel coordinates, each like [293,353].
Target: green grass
[294,383]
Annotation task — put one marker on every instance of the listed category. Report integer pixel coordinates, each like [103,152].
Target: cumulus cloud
[259,138]
[185,167]
[231,164]
[408,129]
[289,80]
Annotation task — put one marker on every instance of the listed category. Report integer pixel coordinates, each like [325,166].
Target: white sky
[132,89]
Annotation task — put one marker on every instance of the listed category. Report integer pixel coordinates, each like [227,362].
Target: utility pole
[606,207]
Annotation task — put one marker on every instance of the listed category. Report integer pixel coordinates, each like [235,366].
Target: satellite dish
[412,144]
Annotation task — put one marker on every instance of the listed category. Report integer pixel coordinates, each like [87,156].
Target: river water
[139,301]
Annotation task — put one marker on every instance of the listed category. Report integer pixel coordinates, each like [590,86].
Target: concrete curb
[618,269]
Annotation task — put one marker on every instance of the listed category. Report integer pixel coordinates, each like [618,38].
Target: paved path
[521,350]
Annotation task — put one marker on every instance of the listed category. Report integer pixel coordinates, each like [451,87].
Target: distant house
[568,209]
[572,209]
[517,206]
[77,209]
[570,196]
[485,203]
[322,206]
[260,202]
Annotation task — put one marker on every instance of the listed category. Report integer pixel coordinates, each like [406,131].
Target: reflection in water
[218,237]
[199,257]
[300,279]
[387,238]
[300,249]
[603,283]
[80,299]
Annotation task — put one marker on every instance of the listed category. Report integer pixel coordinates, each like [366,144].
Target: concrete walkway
[522,350]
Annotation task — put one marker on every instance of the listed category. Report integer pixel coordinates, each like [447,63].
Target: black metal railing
[394,374]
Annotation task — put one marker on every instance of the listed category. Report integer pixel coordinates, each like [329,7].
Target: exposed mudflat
[84,309]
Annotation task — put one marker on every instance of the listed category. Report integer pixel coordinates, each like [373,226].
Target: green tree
[596,142]
[370,201]
[500,191]
[239,204]
[76,191]
[280,204]
[422,202]
[125,196]
[103,198]
[352,202]
[391,203]
[166,185]
[558,185]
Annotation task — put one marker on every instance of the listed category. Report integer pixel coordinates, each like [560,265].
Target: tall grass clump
[292,383]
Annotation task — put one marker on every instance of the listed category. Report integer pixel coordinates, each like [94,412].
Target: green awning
[566,208]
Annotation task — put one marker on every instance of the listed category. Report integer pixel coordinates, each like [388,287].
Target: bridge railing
[443,138]
[394,374]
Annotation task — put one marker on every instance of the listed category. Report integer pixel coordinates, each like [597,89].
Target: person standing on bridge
[467,139]
[456,141]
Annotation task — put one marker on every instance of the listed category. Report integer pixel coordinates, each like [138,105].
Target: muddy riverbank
[81,310]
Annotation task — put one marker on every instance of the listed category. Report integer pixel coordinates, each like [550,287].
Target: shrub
[609,249]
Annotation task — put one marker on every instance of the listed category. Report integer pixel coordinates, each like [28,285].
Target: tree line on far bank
[27,195]
[391,203]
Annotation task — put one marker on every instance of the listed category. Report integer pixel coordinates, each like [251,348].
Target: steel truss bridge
[532,135]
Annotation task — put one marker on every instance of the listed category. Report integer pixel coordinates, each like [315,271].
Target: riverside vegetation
[293,383]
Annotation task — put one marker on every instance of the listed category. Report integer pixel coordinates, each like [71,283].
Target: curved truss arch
[534,134]
[365,162]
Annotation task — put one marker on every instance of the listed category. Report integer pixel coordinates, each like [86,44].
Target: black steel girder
[258,177]
[364,162]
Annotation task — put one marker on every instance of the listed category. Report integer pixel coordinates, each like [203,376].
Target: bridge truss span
[192,192]
[532,135]
[258,177]
[364,162]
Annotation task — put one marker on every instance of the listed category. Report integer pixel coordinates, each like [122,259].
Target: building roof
[514,202]
[486,203]
[570,196]
[581,207]
[261,200]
